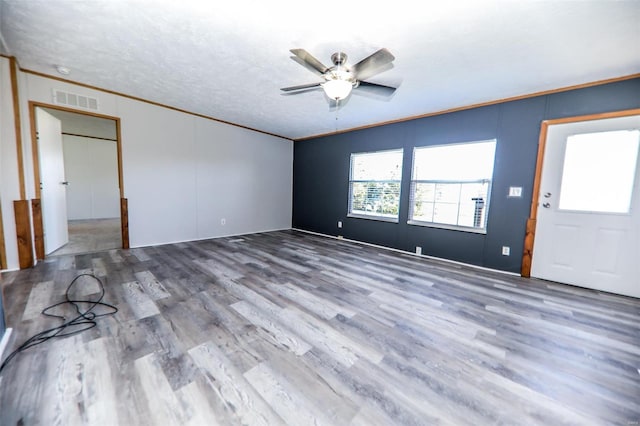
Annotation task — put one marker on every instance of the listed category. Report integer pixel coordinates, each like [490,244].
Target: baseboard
[149,245]
[440,259]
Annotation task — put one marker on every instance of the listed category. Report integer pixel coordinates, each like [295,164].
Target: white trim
[449,227]
[340,237]
[374,217]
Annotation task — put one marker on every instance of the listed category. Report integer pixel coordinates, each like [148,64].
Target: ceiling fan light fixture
[337,89]
[341,79]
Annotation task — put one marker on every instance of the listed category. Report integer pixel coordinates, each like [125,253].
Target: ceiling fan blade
[370,65]
[300,87]
[307,58]
[375,88]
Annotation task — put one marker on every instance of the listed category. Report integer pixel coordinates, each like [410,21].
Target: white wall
[182,180]
[91,168]
[245,181]
[182,174]
[9,186]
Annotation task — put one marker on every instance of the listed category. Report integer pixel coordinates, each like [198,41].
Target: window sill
[449,227]
[378,218]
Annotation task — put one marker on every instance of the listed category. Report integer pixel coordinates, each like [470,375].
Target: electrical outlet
[223,221]
[418,250]
[339,224]
[506,250]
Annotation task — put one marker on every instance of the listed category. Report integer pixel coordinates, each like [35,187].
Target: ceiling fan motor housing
[339,58]
[339,71]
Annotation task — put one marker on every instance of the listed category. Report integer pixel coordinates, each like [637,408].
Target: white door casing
[53,182]
[582,247]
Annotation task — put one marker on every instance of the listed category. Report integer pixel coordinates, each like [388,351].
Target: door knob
[547,195]
[64,183]
[546,205]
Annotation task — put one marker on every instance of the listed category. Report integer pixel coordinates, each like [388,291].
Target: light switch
[515,191]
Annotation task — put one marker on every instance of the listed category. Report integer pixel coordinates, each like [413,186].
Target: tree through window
[374,184]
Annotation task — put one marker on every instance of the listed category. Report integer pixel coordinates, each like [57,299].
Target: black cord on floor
[83,321]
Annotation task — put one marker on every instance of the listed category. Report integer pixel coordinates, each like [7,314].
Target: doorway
[79,206]
[587,213]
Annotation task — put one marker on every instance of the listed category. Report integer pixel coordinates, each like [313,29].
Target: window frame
[376,216]
[413,183]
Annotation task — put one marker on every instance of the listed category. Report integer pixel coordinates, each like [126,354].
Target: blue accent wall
[321,172]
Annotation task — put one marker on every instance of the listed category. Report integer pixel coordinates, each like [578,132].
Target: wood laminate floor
[89,235]
[290,328]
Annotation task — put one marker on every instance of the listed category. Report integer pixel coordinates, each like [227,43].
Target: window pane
[468,161]
[446,213]
[473,199]
[424,212]
[599,171]
[375,183]
[422,202]
[379,198]
[447,192]
[451,183]
[384,165]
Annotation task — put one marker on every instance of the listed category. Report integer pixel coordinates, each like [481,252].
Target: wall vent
[74,100]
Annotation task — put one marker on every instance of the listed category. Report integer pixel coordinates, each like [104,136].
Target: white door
[588,223]
[52,181]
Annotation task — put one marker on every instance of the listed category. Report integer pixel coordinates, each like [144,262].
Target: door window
[599,170]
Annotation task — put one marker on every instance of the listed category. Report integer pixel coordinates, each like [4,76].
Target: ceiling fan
[341,78]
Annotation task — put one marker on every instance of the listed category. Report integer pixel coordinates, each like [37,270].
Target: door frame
[36,204]
[530,233]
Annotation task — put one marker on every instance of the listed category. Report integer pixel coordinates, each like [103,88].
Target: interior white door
[52,181]
[588,223]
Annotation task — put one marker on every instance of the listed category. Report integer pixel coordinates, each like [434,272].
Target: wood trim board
[23,232]
[38,228]
[13,66]
[119,148]
[124,222]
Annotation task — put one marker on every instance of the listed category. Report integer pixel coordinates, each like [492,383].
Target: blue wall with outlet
[321,172]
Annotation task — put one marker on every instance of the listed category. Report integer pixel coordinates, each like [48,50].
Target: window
[374,184]
[450,185]
[599,170]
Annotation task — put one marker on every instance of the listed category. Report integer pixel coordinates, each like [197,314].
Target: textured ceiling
[229,59]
